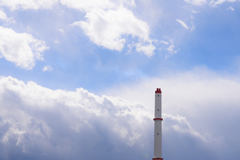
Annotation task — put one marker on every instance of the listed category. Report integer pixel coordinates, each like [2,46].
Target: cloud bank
[56,124]
[49,124]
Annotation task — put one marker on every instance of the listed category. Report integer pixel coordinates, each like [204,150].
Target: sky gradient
[77,78]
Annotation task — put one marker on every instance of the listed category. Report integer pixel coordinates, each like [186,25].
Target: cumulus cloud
[28,4]
[40,122]
[107,28]
[20,48]
[108,22]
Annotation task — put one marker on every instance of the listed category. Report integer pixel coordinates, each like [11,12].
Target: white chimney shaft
[158,126]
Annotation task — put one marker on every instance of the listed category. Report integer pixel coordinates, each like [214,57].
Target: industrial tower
[158,125]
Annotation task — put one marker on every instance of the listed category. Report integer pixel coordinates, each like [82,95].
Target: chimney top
[158,90]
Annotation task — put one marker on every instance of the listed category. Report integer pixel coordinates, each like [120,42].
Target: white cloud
[193,11]
[107,22]
[108,28]
[190,96]
[192,28]
[89,5]
[196,2]
[61,30]
[47,68]
[128,2]
[231,8]
[197,85]
[164,42]
[193,95]
[47,4]
[171,49]
[148,49]
[20,48]
[56,41]
[180,124]
[28,4]
[182,23]
[218,2]
[3,15]
[39,120]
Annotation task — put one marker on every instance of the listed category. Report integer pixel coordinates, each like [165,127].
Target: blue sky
[78,77]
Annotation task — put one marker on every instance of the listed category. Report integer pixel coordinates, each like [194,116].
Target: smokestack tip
[158,90]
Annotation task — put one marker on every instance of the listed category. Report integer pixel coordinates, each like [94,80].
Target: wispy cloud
[218,2]
[182,23]
[171,49]
[164,42]
[193,11]
[3,15]
[5,18]
[61,30]
[231,8]
[47,68]
[147,49]
[196,2]
[87,6]
[30,4]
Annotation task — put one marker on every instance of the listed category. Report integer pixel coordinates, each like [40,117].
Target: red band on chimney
[157,119]
[157,159]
